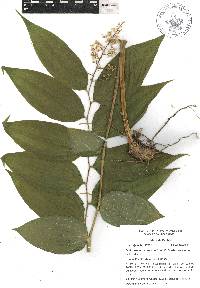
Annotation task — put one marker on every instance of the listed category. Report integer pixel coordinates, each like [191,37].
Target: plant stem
[88,124]
[103,156]
[86,189]
[122,84]
[91,82]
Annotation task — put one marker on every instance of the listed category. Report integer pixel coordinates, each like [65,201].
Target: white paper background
[23,265]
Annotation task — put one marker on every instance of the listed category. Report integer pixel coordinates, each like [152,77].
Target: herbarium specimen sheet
[100,149]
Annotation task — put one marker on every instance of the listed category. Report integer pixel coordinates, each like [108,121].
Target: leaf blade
[58,235]
[143,186]
[122,172]
[56,56]
[53,141]
[46,94]
[140,58]
[48,202]
[120,208]
[138,101]
[55,175]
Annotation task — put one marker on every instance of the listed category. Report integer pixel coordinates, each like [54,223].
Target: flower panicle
[108,48]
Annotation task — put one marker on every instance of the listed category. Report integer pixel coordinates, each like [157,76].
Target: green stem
[103,156]
[88,124]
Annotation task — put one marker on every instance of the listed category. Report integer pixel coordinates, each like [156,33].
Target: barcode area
[60,6]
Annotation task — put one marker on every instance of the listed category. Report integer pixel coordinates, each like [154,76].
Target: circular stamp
[174,20]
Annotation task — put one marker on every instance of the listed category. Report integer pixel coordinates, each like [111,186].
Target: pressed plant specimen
[44,174]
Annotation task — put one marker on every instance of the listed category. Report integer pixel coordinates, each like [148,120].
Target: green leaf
[119,154]
[53,141]
[138,101]
[48,202]
[143,185]
[59,235]
[122,172]
[139,59]
[120,208]
[58,176]
[60,61]
[46,94]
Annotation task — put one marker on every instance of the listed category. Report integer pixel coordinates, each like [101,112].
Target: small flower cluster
[111,39]
[112,36]
[96,48]
[109,69]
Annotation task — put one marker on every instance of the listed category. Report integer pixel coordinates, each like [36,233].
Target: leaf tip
[161,216]
[3,68]
[3,160]
[20,14]
[174,169]
[6,121]
[19,230]
[178,156]
[182,155]
[16,229]
[26,21]
[162,37]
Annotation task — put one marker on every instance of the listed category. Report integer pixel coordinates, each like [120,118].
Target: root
[168,120]
[179,140]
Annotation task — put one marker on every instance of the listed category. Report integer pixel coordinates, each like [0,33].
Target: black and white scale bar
[59,6]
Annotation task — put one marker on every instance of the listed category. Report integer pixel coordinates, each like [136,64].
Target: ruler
[71,6]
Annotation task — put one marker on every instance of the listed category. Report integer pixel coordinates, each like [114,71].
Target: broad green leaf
[53,141]
[138,102]
[122,172]
[119,158]
[48,202]
[143,185]
[120,208]
[58,235]
[46,94]
[119,154]
[59,176]
[139,59]
[60,61]
[137,105]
